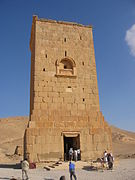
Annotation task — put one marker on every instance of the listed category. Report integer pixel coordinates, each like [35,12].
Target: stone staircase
[64,165]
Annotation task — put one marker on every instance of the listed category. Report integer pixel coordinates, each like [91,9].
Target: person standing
[105,159]
[78,154]
[110,161]
[72,170]
[75,155]
[25,167]
[71,154]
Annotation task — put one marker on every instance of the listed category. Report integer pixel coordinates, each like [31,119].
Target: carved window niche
[66,67]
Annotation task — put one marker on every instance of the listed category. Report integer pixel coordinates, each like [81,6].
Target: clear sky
[114,40]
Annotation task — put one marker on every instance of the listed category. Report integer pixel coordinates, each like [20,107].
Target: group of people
[108,159]
[74,154]
[25,167]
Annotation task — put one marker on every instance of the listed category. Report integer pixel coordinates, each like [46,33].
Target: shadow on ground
[12,166]
[89,168]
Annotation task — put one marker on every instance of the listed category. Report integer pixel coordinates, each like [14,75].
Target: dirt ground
[123,170]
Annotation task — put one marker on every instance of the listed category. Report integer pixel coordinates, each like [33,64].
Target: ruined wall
[64,92]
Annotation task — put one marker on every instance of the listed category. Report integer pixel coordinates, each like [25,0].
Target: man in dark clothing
[72,171]
[110,161]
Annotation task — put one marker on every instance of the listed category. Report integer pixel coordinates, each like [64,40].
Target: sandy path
[124,171]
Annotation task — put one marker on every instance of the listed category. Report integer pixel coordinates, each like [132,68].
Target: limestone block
[57,99]
[46,99]
[31,132]
[53,94]
[43,105]
[30,149]
[48,89]
[59,124]
[36,106]
[81,106]
[67,113]
[69,105]
[68,100]
[49,124]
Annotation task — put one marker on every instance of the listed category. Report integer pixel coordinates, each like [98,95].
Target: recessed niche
[65,53]
[69,89]
[80,37]
[65,67]
[65,39]
[83,89]
[46,55]
[43,69]
[83,63]
[83,99]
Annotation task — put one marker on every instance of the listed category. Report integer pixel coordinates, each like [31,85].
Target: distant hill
[12,131]
[11,135]
[123,142]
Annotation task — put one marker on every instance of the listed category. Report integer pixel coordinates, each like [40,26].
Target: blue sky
[114,40]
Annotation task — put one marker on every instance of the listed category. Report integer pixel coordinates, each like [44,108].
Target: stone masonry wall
[64,100]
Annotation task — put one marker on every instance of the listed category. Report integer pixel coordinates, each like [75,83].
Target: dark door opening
[71,142]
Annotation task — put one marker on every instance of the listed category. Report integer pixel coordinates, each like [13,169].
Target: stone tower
[64,99]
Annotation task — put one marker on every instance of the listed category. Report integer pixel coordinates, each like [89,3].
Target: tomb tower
[64,99]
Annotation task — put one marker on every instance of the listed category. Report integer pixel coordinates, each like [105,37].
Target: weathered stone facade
[64,99]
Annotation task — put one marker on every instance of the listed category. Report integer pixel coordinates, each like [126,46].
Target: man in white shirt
[25,167]
[105,158]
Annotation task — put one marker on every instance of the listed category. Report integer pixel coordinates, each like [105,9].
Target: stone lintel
[70,133]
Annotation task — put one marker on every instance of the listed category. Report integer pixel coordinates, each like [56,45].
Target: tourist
[112,156]
[25,167]
[110,161]
[75,155]
[78,154]
[105,159]
[71,154]
[72,170]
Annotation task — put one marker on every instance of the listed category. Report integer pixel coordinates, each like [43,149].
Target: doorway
[70,142]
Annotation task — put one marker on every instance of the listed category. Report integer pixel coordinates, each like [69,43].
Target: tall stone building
[64,99]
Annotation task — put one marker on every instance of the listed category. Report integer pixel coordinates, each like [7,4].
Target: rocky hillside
[123,142]
[11,135]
